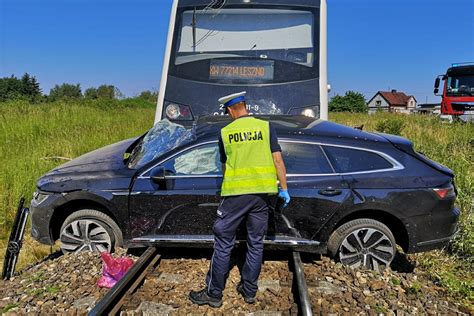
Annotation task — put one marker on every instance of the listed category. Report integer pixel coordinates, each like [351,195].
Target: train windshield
[264,34]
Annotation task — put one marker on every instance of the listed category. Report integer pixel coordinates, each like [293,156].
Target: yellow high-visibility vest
[249,166]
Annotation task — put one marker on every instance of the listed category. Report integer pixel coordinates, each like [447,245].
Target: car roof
[292,126]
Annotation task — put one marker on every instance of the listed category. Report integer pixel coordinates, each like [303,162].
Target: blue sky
[373,44]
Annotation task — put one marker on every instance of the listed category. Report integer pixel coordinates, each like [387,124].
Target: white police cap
[232,99]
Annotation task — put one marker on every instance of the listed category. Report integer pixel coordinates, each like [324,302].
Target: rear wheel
[363,243]
[89,230]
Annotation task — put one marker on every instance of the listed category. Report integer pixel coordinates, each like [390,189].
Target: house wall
[400,109]
[411,103]
[378,104]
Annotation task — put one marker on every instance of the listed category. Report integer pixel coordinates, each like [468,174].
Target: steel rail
[15,241]
[303,295]
[111,303]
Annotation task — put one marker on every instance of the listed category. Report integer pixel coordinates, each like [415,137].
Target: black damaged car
[355,195]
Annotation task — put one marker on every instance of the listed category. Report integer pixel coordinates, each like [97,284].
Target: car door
[317,191]
[178,197]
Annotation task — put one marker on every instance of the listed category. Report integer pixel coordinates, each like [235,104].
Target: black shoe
[202,298]
[247,299]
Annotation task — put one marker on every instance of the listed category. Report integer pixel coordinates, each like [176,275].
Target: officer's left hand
[283,194]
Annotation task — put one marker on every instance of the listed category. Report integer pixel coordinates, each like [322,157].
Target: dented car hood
[95,169]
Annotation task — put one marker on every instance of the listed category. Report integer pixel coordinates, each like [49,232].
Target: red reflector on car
[444,192]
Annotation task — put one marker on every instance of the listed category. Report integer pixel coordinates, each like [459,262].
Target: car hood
[106,158]
[98,167]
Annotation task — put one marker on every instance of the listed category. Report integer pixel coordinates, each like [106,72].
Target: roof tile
[395,98]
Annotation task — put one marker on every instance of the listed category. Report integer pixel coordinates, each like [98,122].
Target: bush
[390,126]
[351,102]
[65,91]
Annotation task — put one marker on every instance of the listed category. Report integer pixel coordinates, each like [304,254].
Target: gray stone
[326,288]
[152,308]
[265,313]
[170,278]
[273,285]
[85,303]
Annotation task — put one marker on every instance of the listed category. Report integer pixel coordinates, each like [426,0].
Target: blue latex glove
[283,194]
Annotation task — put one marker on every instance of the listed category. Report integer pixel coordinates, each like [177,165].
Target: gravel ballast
[68,285]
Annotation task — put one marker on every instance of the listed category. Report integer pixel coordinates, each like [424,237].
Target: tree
[25,88]
[91,93]
[351,102]
[106,92]
[149,96]
[30,87]
[65,91]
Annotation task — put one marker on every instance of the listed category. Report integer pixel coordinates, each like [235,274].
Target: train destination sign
[247,70]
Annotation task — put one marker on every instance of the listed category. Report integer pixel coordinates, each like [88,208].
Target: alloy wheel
[367,247]
[85,234]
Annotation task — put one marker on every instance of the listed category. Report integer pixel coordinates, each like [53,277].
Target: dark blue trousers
[232,211]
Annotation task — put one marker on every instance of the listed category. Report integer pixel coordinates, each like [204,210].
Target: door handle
[330,192]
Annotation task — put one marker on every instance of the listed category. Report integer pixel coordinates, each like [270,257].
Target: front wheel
[89,230]
[363,243]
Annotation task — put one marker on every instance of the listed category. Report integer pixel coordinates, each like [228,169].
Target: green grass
[9,307]
[31,133]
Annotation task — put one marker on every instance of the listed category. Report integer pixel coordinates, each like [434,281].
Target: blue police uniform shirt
[274,145]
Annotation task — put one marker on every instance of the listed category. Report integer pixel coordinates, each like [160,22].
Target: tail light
[178,112]
[445,192]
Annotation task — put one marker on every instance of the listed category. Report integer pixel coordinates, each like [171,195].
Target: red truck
[458,91]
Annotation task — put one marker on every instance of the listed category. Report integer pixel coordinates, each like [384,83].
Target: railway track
[113,301]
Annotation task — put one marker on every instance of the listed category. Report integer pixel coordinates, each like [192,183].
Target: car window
[353,160]
[304,159]
[202,160]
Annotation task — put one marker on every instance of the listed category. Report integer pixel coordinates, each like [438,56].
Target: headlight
[172,111]
[309,113]
[306,111]
[39,197]
[178,112]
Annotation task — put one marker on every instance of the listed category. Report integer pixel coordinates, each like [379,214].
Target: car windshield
[460,86]
[271,34]
[161,138]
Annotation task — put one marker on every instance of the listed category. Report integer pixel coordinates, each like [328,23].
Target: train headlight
[172,111]
[178,112]
[309,113]
[306,111]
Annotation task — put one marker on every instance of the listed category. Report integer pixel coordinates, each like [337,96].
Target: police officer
[251,164]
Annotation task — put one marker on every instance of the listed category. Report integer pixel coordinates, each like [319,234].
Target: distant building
[393,101]
[428,108]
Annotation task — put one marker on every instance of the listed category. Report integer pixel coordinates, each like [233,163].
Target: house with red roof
[393,101]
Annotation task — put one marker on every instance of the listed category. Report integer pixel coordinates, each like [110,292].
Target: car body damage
[100,169]
[335,174]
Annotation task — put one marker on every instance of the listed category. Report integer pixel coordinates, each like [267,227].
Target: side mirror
[158,174]
[436,85]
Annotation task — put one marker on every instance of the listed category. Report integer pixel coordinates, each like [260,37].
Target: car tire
[89,229]
[363,242]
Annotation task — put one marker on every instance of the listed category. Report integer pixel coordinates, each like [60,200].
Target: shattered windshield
[161,138]
[460,86]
